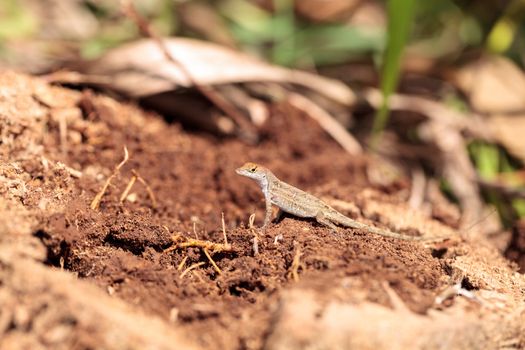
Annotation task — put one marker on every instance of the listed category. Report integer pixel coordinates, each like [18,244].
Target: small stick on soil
[206,246]
[327,122]
[197,274]
[417,190]
[71,171]
[148,189]
[195,230]
[247,129]
[255,245]
[213,247]
[96,201]
[456,290]
[182,263]
[174,238]
[212,262]
[294,270]
[194,266]
[224,229]
[128,188]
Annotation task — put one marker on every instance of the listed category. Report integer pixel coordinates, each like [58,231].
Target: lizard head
[253,171]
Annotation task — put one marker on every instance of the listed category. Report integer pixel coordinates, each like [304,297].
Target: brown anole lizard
[299,203]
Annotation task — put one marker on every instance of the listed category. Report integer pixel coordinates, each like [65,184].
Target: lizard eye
[253,169]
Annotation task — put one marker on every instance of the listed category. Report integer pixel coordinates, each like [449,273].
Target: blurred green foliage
[441,30]
[284,39]
[400,17]
[494,164]
[15,21]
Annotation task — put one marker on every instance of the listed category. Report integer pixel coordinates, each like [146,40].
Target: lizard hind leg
[320,218]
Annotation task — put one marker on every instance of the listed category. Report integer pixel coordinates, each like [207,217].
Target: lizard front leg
[268,214]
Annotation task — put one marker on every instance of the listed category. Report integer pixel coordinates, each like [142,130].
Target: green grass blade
[400,17]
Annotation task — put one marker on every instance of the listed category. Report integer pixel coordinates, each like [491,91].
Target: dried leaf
[509,132]
[494,84]
[204,20]
[140,69]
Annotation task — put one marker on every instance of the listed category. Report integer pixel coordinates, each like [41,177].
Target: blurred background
[453,70]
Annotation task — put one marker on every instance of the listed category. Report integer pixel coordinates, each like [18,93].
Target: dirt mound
[294,285]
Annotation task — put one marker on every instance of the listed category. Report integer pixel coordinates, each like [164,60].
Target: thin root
[327,122]
[251,220]
[148,189]
[182,263]
[255,245]
[194,266]
[224,229]
[212,246]
[96,201]
[195,230]
[180,242]
[212,262]
[249,131]
[296,264]
[175,238]
[128,188]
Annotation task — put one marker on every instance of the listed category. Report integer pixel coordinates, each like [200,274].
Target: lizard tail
[387,233]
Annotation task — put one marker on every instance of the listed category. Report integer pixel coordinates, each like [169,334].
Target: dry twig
[96,201]
[296,264]
[327,122]
[247,129]
[417,191]
[194,266]
[206,247]
[255,245]
[73,172]
[182,263]
[125,193]
[211,261]
[455,290]
[148,189]
[444,128]
[224,229]
[432,109]
[212,246]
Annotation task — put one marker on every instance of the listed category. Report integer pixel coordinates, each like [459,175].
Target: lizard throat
[263,183]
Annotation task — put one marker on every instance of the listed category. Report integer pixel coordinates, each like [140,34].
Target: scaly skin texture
[299,203]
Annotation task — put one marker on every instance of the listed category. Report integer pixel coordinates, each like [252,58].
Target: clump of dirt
[125,246]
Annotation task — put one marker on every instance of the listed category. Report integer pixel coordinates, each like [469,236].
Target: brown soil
[255,302]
